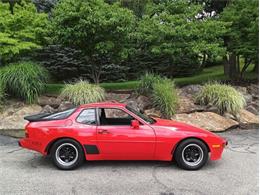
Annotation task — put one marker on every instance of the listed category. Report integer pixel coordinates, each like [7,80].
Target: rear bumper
[31,145]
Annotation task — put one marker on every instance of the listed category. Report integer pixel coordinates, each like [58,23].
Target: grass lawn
[208,74]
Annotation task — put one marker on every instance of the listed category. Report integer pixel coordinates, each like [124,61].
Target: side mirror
[135,124]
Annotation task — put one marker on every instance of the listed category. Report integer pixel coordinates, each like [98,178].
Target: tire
[191,154]
[67,154]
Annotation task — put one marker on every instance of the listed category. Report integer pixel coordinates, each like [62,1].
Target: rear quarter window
[60,115]
[87,117]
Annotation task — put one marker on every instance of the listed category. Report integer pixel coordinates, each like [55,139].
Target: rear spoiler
[37,117]
[53,116]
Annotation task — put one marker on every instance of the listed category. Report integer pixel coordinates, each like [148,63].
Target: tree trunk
[226,65]
[238,64]
[203,60]
[246,65]
[231,68]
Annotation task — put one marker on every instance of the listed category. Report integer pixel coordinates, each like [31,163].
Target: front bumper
[217,150]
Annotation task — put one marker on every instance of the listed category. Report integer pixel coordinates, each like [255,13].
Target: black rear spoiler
[37,117]
[44,116]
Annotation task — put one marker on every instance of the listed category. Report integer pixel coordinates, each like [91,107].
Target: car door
[118,140]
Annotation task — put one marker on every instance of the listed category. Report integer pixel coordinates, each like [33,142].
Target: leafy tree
[171,30]
[20,31]
[12,4]
[98,29]
[242,36]
[216,6]
[137,6]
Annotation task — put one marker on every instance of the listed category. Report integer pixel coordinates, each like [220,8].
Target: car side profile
[114,131]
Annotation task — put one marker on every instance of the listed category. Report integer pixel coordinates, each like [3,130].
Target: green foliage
[215,73]
[82,93]
[63,63]
[146,83]
[224,97]
[163,93]
[171,32]
[242,34]
[242,17]
[67,64]
[22,31]
[98,29]
[2,91]
[165,97]
[25,80]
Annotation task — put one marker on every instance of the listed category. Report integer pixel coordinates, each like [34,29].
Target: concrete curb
[17,133]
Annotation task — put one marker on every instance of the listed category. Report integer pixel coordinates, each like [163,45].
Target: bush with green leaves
[2,91]
[146,83]
[83,92]
[25,80]
[165,98]
[224,97]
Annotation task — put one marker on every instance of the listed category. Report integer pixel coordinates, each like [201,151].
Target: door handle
[103,131]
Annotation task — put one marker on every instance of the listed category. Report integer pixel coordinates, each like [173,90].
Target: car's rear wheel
[67,154]
[191,154]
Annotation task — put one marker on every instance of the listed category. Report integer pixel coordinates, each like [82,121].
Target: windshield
[144,117]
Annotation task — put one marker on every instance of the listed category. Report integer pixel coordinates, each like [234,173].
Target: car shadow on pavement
[45,162]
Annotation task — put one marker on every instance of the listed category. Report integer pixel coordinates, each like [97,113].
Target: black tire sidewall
[80,154]
[178,154]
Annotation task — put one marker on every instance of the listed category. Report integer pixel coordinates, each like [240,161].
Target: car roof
[103,104]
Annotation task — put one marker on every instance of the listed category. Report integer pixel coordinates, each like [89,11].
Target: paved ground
[27,172]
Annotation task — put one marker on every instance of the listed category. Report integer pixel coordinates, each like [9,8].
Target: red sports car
[114,131]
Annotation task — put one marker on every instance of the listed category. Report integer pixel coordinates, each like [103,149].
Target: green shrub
[165,98]
[224,97]
[2,91]
[25,80]
[145,86]
[82,93]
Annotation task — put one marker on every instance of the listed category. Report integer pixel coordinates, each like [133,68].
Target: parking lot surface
[27,172]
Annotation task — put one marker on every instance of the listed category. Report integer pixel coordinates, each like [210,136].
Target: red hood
[180,126]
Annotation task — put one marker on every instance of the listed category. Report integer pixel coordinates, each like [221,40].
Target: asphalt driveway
[27,172]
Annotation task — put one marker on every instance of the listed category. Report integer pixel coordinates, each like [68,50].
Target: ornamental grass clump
[25,80]
[2,91]
[224,97]
[165,98]
[82,92]
[146,83]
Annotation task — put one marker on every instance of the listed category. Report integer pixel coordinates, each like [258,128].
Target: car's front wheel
[67,154]
[191,154]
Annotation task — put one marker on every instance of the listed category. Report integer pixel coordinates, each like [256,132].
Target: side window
[114,116]
[87,117]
